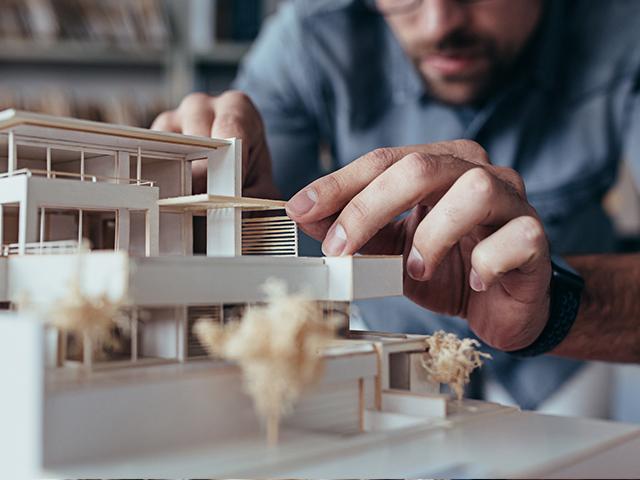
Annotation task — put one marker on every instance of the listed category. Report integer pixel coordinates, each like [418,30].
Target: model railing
[274,236]
[85,177]
[38,248]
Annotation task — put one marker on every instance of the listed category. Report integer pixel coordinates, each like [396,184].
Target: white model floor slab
[500,442]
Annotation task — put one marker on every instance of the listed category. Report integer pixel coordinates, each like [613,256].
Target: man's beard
[466,87]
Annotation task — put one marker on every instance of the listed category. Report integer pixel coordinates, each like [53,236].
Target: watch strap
[565,291]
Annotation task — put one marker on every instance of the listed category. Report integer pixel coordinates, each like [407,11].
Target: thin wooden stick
[273,430]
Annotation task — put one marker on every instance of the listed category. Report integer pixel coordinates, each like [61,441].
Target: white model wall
[22,398]
[166,174]
[169,281]
[172,238]
[46,279]
[145,414]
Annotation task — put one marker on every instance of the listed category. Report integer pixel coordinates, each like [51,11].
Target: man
[547,88]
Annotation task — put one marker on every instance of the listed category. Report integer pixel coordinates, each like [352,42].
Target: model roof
[49,127]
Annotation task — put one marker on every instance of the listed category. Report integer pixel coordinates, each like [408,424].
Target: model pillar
[224,177]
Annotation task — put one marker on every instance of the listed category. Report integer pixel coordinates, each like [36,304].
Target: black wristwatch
[566,290]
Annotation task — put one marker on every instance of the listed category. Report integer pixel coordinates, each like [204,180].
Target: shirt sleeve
[631,152]
[277,76]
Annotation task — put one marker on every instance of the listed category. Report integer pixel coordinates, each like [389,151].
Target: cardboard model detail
[128,191]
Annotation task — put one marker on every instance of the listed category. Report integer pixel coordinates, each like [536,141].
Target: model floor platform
[484,440]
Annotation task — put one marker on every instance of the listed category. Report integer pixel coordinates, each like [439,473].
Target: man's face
[462,47]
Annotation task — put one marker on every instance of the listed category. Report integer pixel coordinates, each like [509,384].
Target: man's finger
[388,241]
[477,198]
[167,122]
[196,114]
[519,250]
[332,192]
[235,117]
[318,230]
[399,188]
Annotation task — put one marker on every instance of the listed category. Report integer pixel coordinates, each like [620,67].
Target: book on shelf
[226,21]
[121,23]
[118,109]
[238,20]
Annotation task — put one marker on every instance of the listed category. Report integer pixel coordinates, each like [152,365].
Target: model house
[128,191]
[156,404]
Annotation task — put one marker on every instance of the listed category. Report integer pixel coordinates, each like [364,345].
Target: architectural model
[152,403]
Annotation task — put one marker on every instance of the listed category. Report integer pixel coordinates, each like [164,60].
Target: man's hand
[472,244]
[232,114]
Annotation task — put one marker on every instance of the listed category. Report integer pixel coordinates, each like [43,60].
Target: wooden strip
[262,224]
[267,244]
[268,254]
[273,241]
[282,245]
[288,244]
[268,225]
[379,348]
[269,233]
[215,201]
[267,249]
[285,228]
[219,206]
[361,404]
[270,219]
[278,223]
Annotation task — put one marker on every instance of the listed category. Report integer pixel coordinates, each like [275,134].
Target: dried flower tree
[94,319]
[451,360]
[278,347]
[90,318]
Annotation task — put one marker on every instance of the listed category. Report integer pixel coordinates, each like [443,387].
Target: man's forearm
[608,323]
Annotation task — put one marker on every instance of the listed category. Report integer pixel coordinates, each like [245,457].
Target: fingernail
[476,282]
[302,201]
[415,264]
[335,242]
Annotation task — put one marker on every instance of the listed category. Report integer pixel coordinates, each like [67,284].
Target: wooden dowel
[273,430]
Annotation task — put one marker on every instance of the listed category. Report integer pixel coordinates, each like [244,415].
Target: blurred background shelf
[67,52]
[121,61]
[223,53]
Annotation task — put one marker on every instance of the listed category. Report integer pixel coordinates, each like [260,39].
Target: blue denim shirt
[330,72]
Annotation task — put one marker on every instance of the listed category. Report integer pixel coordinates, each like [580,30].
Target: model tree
[451,360]
[90,318]
[279,347]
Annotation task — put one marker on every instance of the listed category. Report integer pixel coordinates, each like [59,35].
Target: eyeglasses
[393,7]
